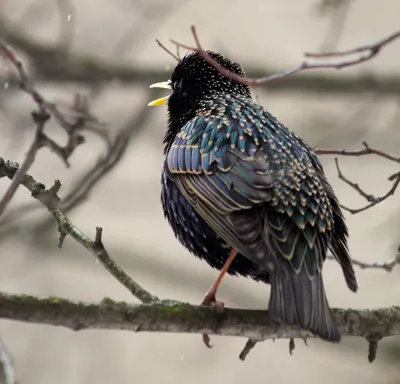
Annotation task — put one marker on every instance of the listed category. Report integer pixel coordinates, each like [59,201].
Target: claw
[210,301]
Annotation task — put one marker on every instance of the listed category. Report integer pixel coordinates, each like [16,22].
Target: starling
[248,196]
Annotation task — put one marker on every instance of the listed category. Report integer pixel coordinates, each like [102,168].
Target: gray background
[270,34]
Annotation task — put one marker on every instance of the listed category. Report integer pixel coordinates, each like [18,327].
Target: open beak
[162,100]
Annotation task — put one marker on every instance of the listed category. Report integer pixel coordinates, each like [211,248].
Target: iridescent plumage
[235,177]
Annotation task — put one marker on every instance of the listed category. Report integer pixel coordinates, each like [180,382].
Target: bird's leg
[209,298]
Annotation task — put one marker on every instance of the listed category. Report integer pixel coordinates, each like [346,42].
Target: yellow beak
[162,100]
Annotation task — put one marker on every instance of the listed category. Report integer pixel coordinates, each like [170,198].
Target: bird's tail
[299,300]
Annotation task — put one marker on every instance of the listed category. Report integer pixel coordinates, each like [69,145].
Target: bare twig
[373,200]
[162,46]
[370,50]
[385,266]
[26,84]
[82,187]
[367,150]
[50,199]
[366,52]
[40,119]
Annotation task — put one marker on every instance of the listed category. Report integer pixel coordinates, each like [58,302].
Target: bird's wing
[225,182]
[338,244]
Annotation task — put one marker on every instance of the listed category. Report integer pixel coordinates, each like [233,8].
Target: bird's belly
[198,237]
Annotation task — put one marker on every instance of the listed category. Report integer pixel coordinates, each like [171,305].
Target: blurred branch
[7,373]
[105,163]
[37,143]
[385,266]
[26,84]
[81,188]
[365,53]
[337,10]
[49,198]
[57,65]
[177,317]
[40,118]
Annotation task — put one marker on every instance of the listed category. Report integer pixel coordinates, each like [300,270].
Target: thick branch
[178,317]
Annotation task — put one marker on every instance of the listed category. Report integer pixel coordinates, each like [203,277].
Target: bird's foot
[210,301]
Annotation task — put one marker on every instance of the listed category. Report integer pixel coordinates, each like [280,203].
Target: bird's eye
[176,85]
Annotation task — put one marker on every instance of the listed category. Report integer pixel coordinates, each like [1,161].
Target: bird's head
[194,80]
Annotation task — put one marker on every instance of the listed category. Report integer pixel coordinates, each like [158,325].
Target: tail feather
[299,300]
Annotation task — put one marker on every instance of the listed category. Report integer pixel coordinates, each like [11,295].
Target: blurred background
[107,50]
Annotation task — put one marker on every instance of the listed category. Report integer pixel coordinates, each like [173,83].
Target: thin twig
[162,46]
[385,266]
[370,51]
[367,150]
[50,199]
[373,200]
[81,188]
[40,119]
[26,84]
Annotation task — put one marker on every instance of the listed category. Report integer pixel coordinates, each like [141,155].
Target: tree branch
[373,200]
[177,317]
[366,52]
[165,316]
[385,266]
[50,199]
[366,151]
[40,119]
[58,65]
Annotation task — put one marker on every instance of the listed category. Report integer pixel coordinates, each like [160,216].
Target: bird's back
[263,191]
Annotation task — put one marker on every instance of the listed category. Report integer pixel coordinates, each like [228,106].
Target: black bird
[248,196]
